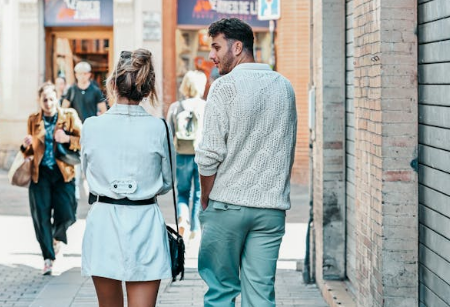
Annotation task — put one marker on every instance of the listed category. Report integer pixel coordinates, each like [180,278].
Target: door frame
[52,33]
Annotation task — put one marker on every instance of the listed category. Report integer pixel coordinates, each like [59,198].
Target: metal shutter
[434,152]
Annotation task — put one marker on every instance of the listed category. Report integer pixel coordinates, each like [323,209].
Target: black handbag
[176,242]
[66,155]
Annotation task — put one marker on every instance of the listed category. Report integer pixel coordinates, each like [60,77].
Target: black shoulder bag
[176,242]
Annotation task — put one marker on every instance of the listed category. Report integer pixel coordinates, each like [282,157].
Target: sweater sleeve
[212,149]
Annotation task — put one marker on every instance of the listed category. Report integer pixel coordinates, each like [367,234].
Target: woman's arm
[26,146]
[168,173]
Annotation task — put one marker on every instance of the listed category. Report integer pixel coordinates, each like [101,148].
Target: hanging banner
[69,13]
[205,12]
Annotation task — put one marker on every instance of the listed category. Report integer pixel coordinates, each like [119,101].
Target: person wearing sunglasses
[126,163]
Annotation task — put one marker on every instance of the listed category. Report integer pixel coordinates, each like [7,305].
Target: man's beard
[227,63]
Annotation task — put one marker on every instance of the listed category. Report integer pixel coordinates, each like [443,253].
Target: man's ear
[237,48]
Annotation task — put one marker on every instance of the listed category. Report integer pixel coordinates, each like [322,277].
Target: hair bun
[134,76]
[141,57]
[141,64]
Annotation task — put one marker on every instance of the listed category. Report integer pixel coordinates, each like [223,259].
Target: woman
[190,110]
[52,186]
[126,163]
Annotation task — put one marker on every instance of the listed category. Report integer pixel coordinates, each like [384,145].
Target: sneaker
[48,263]
[56,246]
[182,225]
[193,235]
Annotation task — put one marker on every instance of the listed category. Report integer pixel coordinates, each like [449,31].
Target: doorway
[67,46]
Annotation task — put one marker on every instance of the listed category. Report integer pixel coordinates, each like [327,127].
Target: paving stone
[23,285]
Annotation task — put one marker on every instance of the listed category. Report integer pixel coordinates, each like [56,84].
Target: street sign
[268,9]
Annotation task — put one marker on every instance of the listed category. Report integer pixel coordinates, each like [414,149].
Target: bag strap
[171,172]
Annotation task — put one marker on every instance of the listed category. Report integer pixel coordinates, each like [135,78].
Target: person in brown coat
[52,186]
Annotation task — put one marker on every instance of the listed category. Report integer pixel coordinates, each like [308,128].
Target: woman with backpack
[185,117]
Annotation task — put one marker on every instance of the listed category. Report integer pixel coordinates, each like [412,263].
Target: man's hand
[101,107]
[206,183]
[204,202]
[61,136]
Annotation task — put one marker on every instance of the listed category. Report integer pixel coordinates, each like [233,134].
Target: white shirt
[249,136]
[124,153]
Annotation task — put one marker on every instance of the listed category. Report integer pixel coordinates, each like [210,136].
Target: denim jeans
[187,174]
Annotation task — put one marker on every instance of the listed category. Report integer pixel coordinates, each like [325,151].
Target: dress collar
[125,109]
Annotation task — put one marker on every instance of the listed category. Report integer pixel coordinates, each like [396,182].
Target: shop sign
[204,12]
[62,13]
[268,9]
[151,26]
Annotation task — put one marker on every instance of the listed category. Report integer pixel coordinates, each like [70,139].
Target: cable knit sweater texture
[249,136]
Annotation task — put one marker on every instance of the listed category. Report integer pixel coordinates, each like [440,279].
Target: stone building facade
[24,58]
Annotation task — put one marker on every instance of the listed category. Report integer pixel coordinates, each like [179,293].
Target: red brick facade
[292,52]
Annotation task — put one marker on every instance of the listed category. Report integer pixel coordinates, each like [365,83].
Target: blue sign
[205,12]
[268,9]
[68,13]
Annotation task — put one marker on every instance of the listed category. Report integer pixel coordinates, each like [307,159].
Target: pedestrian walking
[125,158]
[52,188]
[84,96]
[185,117]
[61,88]
[245,160]
[88,100]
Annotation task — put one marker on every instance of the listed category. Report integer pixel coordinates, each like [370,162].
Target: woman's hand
[61,136]
[27,141]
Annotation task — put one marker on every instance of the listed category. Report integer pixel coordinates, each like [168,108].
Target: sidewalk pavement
[21,282]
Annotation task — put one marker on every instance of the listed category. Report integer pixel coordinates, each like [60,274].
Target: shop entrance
[68,46]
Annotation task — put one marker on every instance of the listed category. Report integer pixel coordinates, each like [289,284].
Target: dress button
[115,186]
[130,186]
[226,206]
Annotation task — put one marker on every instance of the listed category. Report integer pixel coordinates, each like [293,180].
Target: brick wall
[385,106]
[292,51]
[368,151]
[329,167]
[385,144]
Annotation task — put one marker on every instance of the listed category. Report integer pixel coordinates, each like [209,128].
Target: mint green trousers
[238,254]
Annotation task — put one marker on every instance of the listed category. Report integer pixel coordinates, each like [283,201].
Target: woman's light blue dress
[125,154]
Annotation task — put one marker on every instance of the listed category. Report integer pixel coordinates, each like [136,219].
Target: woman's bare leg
[109,292]
[142,293]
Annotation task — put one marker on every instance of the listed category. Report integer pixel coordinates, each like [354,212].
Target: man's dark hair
[233,29]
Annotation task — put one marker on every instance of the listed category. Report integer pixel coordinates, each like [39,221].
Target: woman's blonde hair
[133,77]
[193,84]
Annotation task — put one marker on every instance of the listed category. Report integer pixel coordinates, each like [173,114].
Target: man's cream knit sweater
[249,135]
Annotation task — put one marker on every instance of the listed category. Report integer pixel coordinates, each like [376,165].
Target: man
[86,98]
[245,160]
